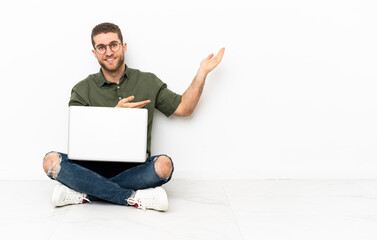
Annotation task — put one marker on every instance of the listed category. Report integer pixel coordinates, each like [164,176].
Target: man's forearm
[191,96]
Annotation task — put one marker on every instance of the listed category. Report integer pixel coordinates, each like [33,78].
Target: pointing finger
[130,98]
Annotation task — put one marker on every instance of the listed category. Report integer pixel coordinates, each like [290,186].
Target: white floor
[242,209]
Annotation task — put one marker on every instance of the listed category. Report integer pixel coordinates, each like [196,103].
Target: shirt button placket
[118,92]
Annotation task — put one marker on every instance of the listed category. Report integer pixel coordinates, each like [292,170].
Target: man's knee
[163,166]
[51,164]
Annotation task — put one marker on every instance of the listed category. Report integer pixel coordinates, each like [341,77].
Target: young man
[117,85]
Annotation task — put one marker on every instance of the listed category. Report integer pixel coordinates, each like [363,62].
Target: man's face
[111,60]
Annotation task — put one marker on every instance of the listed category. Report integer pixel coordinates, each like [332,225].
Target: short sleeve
[167,101]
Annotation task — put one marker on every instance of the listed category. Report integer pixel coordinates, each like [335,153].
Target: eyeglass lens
[101,48]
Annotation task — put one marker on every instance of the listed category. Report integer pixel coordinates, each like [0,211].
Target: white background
[294,97]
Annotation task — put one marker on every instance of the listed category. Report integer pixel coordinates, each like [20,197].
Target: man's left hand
[210,62]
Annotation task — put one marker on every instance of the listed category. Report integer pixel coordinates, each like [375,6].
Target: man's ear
[124,47]
[94,52]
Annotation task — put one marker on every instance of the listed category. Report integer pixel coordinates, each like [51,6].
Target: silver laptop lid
[107,134]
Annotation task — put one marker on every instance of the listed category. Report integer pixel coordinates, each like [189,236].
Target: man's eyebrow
[102,44]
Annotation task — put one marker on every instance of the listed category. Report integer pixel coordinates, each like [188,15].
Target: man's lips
[109,60]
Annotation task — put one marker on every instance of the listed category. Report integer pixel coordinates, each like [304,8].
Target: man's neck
[114,76]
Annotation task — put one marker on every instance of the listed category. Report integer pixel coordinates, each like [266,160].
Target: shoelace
[75,197]
[136,203]
[147,202]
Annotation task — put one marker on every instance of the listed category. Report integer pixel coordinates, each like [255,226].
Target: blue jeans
[116,189]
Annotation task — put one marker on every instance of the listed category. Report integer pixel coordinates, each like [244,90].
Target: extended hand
[125,103]
[210,62]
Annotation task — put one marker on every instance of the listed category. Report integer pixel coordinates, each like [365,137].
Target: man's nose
[108,50]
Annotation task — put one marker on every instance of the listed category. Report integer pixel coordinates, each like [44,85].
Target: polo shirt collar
[101,81]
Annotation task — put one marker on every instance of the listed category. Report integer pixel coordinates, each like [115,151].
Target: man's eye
[101,47]
[114,45]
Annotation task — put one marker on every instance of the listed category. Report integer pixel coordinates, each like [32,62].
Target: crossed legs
[155,172]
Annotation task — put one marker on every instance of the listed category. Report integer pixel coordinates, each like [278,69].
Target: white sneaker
[63,195]
[151,198]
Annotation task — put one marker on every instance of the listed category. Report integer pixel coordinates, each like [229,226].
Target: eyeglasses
[114,46]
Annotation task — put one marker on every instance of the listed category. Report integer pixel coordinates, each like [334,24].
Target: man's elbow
[183,112]
[188,113]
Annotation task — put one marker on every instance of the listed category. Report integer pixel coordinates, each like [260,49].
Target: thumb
[209,56]
[129,99]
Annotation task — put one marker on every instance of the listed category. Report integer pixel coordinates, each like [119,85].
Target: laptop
[107,134]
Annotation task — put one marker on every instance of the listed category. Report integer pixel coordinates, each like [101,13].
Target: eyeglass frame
[108,45]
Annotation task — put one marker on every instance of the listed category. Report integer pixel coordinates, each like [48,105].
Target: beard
[113,68]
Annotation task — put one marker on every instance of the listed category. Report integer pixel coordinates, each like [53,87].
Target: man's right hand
[126,103]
